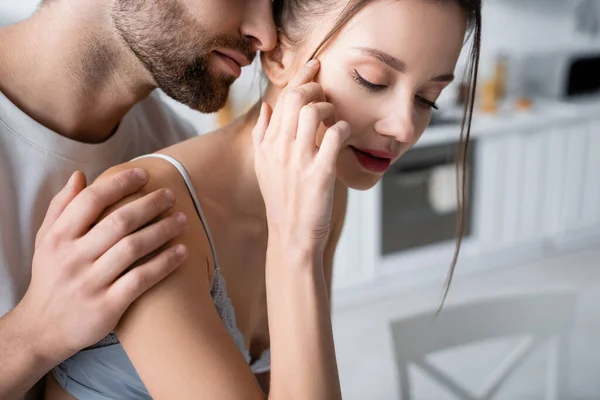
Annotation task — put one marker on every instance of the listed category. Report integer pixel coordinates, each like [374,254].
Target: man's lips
[235,55]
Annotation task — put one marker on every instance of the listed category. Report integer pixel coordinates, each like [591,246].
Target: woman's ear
[277,64]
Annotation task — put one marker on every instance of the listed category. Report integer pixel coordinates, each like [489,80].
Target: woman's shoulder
[165,175]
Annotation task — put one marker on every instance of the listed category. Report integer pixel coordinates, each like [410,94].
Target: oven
[418,202]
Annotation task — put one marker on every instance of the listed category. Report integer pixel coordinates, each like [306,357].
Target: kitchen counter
[543,113]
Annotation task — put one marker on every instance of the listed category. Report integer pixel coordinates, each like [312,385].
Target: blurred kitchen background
[522,320]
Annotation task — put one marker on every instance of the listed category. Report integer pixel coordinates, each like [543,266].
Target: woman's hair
[294,18]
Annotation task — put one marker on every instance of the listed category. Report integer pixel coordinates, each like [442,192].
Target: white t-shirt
[35,163]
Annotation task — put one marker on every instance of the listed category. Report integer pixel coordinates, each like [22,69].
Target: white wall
[520,26]
[516,27]
[15,10]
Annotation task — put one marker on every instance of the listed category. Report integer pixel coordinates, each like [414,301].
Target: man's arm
[23,363]
[78,291]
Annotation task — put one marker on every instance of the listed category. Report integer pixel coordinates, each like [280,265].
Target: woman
[265,199]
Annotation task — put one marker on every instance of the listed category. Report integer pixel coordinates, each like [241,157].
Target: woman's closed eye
[428,104]
[374,87]
[365,84]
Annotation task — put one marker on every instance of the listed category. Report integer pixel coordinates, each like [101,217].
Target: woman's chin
[362,183]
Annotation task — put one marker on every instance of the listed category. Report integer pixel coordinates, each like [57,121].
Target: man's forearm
[22,365]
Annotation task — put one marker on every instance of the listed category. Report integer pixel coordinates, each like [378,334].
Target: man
[76,93]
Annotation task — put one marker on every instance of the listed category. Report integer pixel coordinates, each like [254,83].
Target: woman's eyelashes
[373,88]
[365,84]
[426,103]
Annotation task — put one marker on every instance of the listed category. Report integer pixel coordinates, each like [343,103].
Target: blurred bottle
[501,76]
[489,96]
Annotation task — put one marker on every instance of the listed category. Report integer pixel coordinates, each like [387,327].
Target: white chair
[544,318]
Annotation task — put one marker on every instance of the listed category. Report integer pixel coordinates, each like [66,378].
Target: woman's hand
[295,176]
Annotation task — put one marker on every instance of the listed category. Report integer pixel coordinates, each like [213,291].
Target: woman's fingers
[311,117]
[294,102]
[259,130]
[332,143]
[290,97]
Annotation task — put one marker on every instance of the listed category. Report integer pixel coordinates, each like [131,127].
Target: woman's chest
[241,259]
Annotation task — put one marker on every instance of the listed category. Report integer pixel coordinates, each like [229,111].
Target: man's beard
[167,41]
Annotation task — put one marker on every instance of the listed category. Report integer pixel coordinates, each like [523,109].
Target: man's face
[194,49]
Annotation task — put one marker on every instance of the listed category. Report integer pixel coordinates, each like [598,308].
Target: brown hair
[291,18]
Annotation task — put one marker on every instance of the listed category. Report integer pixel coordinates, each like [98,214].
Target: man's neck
[67,68]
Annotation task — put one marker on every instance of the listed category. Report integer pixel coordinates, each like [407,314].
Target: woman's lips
[373,160]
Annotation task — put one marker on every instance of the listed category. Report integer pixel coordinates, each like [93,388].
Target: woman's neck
[221,164]
[246,192]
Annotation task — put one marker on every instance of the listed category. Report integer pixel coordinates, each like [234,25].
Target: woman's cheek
[340,91]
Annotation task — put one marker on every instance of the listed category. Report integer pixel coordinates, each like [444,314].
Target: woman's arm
[310,338]
[296,172]
[340,203]
[337,223]
[173,334]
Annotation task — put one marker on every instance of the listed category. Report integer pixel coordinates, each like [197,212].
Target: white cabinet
[579,194]
[554,181]
[538,187]
[590,209]
[358,248]
[574,171]
[509,189]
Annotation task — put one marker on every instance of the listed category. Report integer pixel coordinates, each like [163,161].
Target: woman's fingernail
[71,180]
[312,63]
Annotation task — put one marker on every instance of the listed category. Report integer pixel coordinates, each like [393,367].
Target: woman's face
[383,73]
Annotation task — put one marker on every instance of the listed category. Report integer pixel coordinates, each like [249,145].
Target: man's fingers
[127,219]
[87,207]
[138,280]
[136,246]
[62,199]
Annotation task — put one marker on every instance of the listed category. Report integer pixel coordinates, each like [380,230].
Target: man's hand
[78,283]
[81,282]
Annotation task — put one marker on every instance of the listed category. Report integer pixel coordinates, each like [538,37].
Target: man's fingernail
[181,218]
[141,174]
[312,63]
[170,196]
[181,251]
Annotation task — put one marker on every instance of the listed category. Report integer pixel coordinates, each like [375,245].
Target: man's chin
[207,102]
[209,106]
